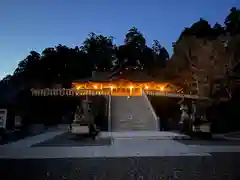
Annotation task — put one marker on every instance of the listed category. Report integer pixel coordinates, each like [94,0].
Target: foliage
[201,50]
[207,53]
[62,64]
[201,55]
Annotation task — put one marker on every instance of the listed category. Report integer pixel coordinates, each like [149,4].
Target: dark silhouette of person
[71,116]
[92,127]
[70,119]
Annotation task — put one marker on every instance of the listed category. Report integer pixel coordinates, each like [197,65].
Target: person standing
[91,124]
[184,122]
[70,119]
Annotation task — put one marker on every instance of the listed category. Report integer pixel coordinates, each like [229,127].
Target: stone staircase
[131,114]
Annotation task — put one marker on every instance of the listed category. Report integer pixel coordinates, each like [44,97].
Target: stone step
[137,107]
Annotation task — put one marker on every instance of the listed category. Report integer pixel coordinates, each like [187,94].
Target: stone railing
[109,113]
[155,117]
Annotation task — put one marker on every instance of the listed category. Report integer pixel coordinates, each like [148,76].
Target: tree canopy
[207,52]
[199,48]
[62,64]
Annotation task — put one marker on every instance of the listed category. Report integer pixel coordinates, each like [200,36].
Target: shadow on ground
[18,135]
[69,139]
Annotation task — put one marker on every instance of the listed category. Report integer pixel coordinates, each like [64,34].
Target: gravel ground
[69,139]
[221,166]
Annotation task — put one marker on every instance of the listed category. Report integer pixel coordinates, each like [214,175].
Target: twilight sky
[34,25]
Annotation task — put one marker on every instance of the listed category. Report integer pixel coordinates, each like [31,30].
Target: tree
[204,58]
[130,53]
[160,53]
[6,79]
[136,53]
[135,37]
[201,29]
[99,50]
[232,21]
[218,30]
[27,69]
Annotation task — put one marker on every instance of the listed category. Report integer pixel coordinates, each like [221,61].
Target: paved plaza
[147,155]
[135,150]
[61,144]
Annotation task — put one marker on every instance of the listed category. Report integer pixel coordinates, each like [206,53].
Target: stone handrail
[155,117]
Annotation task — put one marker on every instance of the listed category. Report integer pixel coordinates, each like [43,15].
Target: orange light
[162,88]
[131,87]
[95,87]
[146,87]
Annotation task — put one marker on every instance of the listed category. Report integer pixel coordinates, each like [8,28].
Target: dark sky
[33,25]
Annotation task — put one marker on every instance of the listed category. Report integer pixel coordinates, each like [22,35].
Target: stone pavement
[120,147]
[145,135]
[126,144]
[133,158]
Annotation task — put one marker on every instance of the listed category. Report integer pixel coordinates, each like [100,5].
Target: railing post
[155,117]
